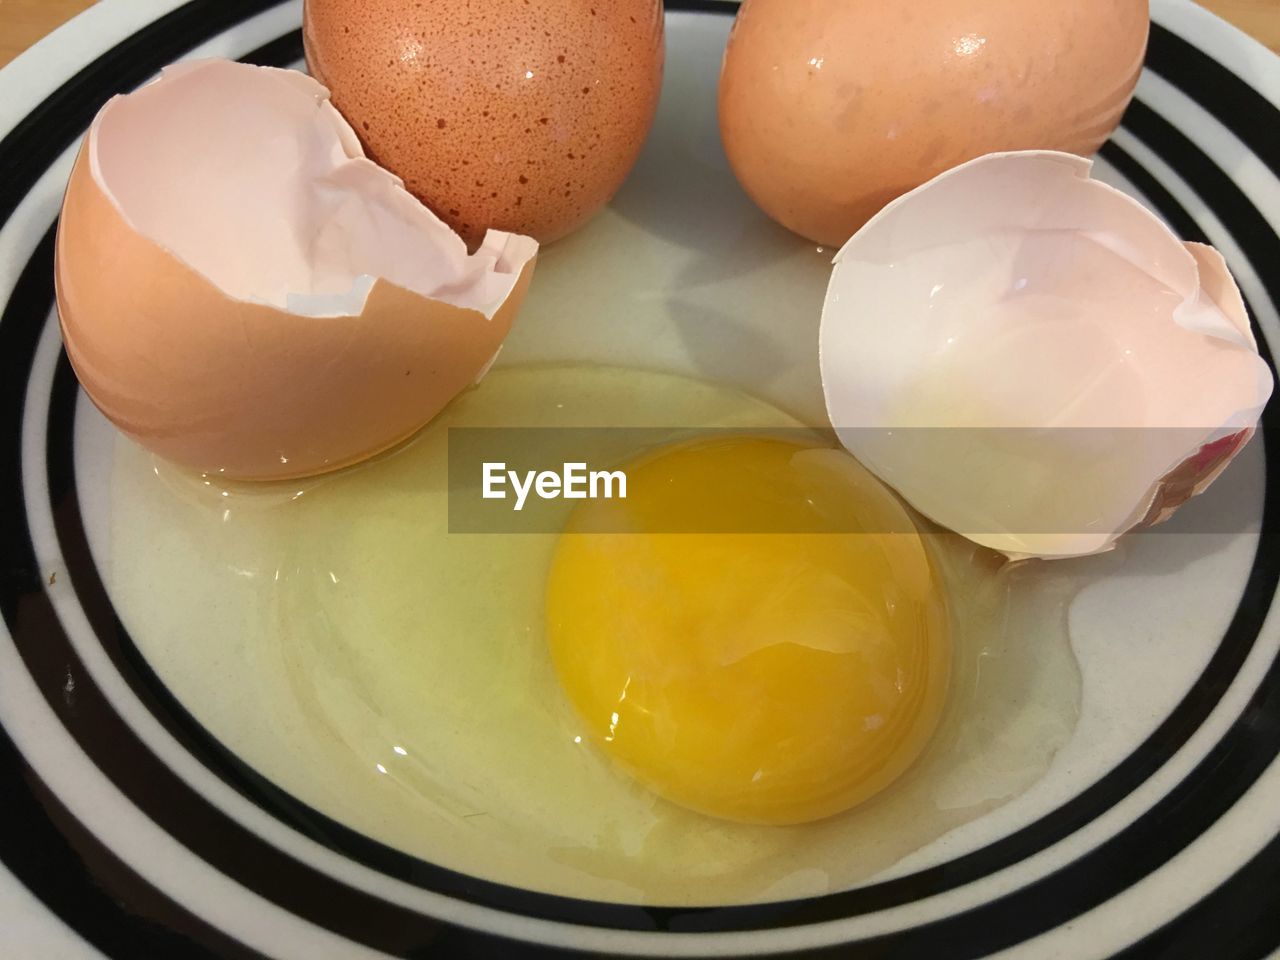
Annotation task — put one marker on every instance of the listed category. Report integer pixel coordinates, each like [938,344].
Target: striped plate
[127,830]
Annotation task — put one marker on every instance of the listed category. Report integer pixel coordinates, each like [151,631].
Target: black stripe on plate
[1161,199]
[703,6]
[1224,924]
[1239,107]
[280,52]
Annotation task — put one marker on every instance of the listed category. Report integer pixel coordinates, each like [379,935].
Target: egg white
[393,675]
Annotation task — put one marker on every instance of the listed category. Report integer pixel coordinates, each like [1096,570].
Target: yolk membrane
[755,632]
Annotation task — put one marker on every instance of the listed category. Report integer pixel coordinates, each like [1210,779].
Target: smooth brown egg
[521,115]
[829,110]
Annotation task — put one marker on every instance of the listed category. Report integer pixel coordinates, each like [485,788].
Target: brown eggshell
[829,110]
[507,114]
[246,390]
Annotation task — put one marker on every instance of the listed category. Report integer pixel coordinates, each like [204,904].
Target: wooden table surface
[23,22]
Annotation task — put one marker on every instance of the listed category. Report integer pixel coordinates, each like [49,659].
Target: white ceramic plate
[127,830]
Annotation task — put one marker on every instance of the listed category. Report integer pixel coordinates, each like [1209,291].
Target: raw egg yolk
[755,631]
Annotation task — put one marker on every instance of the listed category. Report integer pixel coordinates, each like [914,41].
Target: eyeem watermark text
[536,480]
[573,482]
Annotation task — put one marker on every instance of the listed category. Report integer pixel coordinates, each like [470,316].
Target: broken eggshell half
[1033,360]
[242,291]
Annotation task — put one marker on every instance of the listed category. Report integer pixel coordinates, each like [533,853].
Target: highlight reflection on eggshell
[1032,359]
[243,292]
[829,109]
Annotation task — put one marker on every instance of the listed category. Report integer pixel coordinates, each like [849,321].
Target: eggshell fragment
[243,292]
[1032,359]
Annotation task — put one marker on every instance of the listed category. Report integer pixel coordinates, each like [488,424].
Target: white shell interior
[1023,352]
[251,177]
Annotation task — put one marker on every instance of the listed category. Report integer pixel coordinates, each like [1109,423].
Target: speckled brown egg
[521,115]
